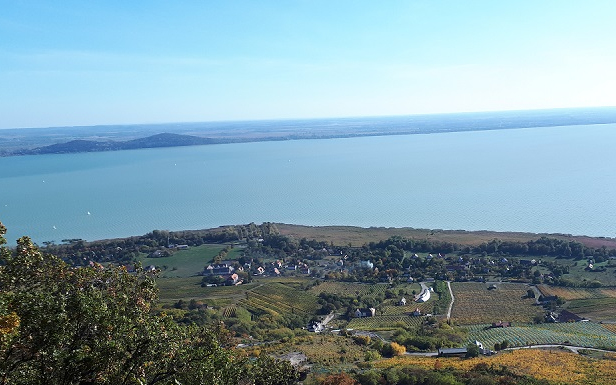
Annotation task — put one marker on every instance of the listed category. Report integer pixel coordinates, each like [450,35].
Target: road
[329,317]
[450,303]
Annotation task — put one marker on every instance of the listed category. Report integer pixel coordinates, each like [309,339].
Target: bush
[362,340]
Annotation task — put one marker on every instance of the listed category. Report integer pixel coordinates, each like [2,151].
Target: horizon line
[311,118]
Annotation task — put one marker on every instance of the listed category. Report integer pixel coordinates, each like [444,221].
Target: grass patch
[173,289]
[190,262]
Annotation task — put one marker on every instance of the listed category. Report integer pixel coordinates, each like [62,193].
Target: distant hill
[158,140]
[60,140]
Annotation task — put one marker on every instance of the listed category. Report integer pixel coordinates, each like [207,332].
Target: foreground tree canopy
[96,325]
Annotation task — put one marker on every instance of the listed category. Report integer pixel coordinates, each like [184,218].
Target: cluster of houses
[228,270]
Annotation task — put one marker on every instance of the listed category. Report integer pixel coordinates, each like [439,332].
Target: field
[586,334]
[174,289]
[384,322]
[572,293]
[578,273]
[278,299]
[555,366]
[357,236]
[323,350]
[187,263]
[348,289]
[475,304]
[594,304]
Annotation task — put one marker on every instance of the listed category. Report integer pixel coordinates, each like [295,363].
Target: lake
[549,179]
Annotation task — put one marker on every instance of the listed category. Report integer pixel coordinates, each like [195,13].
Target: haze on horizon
[79,63]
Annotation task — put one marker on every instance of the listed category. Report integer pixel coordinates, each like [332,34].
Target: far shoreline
[356,236]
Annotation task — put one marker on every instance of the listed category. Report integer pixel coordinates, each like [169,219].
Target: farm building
[501,324]
[567,316]
[315,327]
[452,352]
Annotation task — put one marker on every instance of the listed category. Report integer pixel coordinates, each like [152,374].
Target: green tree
[472,350]
[96,325]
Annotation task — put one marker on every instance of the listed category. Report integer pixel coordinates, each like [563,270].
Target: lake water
[552,179]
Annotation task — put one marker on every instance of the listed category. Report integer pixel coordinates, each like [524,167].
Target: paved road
[450,303]
[329,317]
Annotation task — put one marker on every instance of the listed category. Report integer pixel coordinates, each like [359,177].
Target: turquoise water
[553,179]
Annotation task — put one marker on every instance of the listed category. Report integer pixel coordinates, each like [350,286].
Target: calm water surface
[556,179]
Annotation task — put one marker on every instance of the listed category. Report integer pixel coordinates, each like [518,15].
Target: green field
[174,289]
[190,262]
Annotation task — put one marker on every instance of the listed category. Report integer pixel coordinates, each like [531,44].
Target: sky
[81,62]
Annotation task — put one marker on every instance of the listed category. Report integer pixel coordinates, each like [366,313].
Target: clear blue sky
[111,62]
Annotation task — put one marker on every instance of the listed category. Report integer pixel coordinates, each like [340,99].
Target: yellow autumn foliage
[555,366]
[8,323]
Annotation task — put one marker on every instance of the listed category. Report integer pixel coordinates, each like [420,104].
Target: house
[260,270]
[364,312]
[402,302]
[567,316]
[452,352]
[220,269]
[181,247]
[500,324]
[551,317]
[315,327]
[366,264]
[233,280]
[417,312]
[483,350]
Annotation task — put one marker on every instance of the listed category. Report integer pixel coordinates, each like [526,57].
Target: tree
[96,325]
[504,344]
[472,350]
[338,379]
[269,371]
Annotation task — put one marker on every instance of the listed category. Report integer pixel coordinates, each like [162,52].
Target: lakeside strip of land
[62,140]
[357,236]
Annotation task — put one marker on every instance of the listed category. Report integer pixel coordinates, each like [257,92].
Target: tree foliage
[96,325]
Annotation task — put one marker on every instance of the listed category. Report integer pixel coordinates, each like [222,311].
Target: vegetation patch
[476,303]
[585,334]
[557,367]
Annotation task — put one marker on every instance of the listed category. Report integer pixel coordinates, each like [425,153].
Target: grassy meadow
[189,262]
